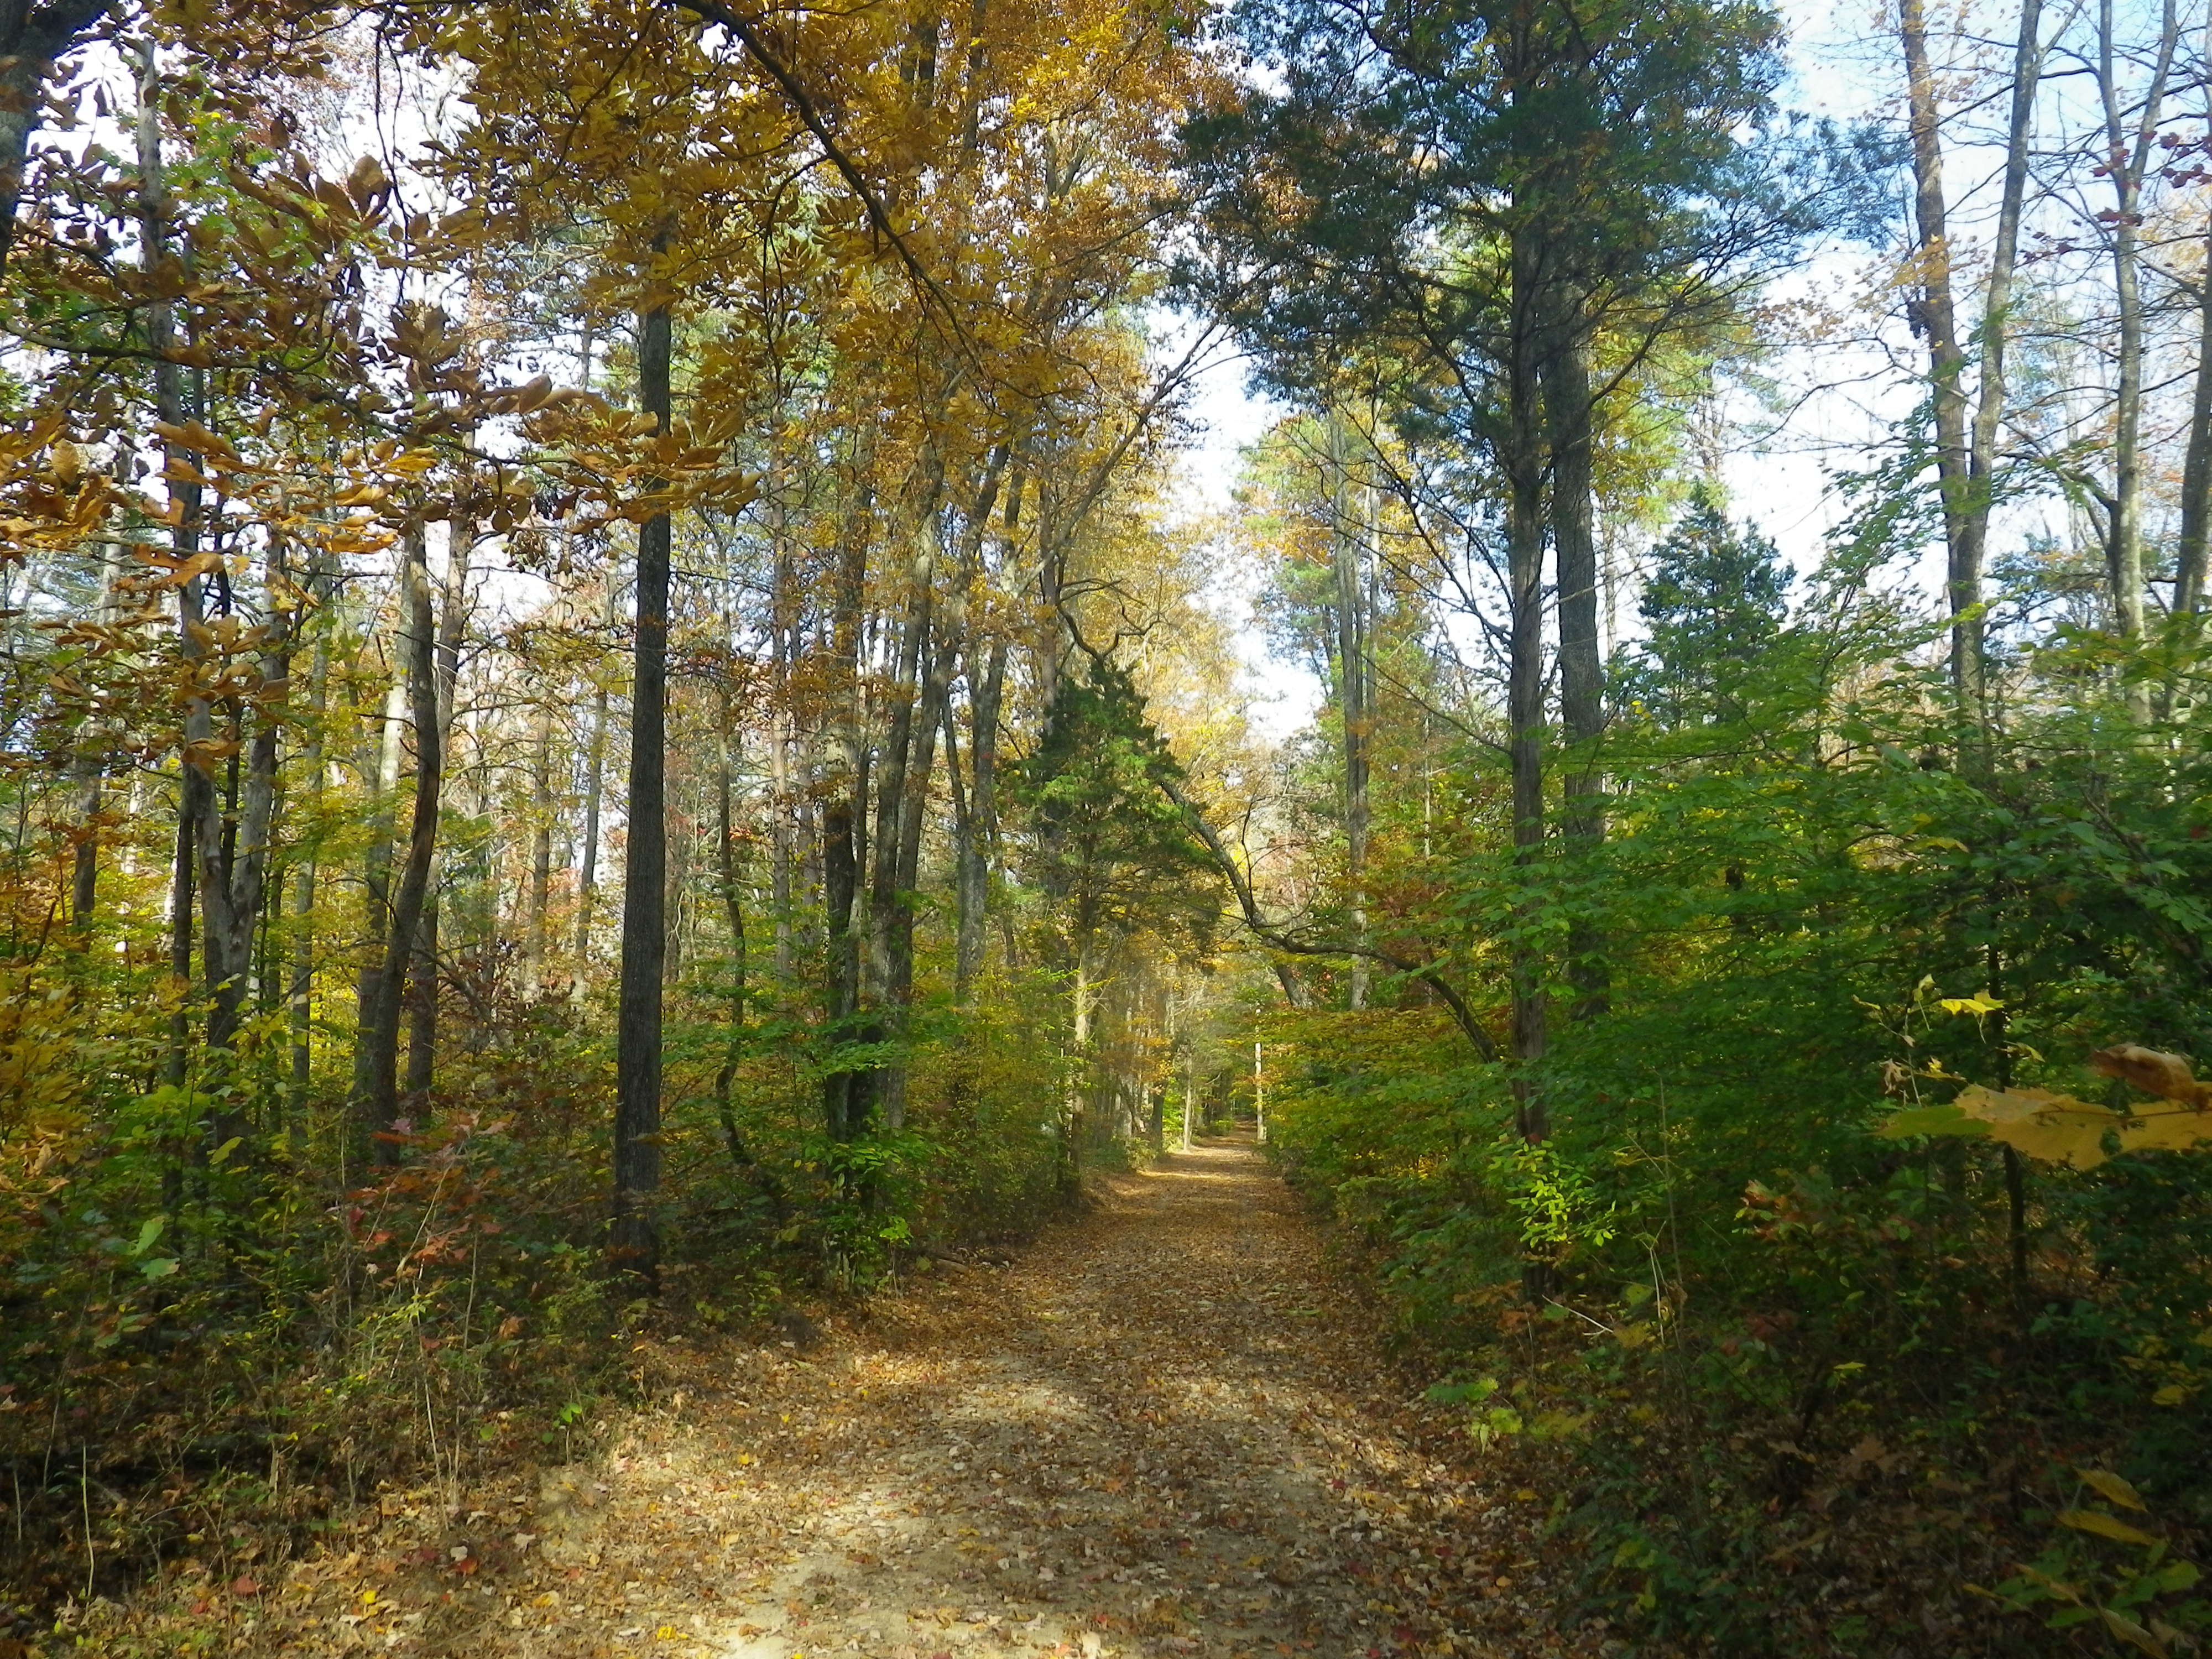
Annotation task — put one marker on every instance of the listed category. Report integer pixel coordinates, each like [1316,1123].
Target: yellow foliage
[2056,1128]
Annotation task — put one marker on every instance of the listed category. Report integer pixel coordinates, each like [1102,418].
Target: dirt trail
[1162,1430]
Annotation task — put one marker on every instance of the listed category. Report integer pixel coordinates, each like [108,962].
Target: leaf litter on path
[1166,1429]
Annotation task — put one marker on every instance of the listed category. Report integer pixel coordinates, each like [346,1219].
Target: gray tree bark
[2127,156]
[635,1235]
[1934,315]
[377,1065]
[1969,635]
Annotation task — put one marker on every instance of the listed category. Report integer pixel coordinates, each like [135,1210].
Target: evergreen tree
[1714,605]
[1113,847]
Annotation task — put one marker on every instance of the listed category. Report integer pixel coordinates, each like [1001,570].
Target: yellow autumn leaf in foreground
[2105,1526]
[2055,1128]
[2113,1487]
[2051,1128]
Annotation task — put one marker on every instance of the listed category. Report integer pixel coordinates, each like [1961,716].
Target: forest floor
[1167,1428]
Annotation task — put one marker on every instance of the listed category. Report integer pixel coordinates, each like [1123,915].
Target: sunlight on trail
[1165,1431]
[1145,1445]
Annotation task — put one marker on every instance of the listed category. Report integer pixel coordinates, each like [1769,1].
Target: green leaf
[147,1234]
[1929,1120]
[160,1268]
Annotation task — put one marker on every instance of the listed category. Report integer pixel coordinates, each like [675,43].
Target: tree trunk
[682,832]
[421,997]
[906,744]
[541,850]
[635,1235]
[1936,318]
[1521,461]
[2127,162]
[783,649]
[845,1100]
[379,1106]
[182,903]
[733,912]
[1969,648]
[979,827]
[376,873]
[184,495]
[32,38]
[587,872]
[1351,651]
[2195,536]
[1569,418]
[300,997]
[90,765]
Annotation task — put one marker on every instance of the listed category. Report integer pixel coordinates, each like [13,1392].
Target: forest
[640,704]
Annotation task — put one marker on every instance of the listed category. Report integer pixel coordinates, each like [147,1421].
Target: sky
[1838,56]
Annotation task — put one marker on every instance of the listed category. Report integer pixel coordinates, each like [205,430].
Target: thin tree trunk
[845,1100]
[234,885]
[2126,163]
[890,917]
[1522,464]
[376,871]
[899,989]
[783,648]
[682,831]
[301,994]
[979,825]
[733,912]
[1346,563]
[380,1040]
[423,967]
[1570,416]
[1936,318]
[421,997]
[1969,647]
[90,766]
[588,872]
[184,534]
[182,904]
[541,850]
[635,1235]
[2196,535]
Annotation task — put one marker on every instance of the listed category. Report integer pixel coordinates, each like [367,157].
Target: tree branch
[811,116]
[1430,973]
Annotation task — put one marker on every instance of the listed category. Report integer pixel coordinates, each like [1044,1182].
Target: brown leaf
[2155,1073]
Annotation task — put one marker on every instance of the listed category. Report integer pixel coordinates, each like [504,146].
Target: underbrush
[218,1343]
[1794,1405]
